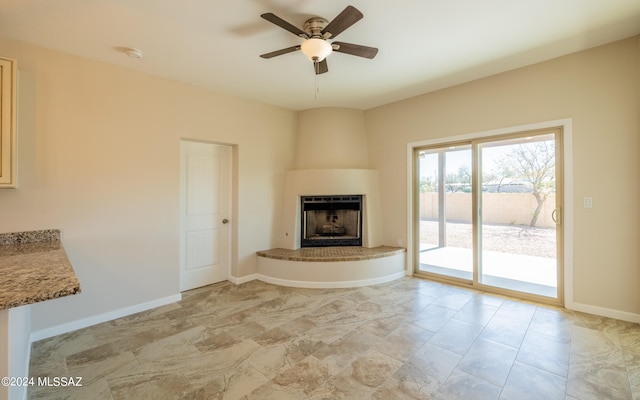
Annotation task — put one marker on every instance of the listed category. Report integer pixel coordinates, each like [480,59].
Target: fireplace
[331,221]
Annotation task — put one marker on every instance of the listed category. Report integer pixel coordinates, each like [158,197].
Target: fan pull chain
[316,66]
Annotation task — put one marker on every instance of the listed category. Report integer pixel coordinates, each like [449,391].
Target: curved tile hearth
[331,267]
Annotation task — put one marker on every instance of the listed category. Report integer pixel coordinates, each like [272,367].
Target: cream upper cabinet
[8,151]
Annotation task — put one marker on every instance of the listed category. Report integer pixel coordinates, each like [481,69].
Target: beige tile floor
[408,339]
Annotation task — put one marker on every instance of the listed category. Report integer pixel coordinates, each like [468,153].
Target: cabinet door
[7,123]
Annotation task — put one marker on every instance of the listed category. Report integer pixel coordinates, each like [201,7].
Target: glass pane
[445,199]
[518,233]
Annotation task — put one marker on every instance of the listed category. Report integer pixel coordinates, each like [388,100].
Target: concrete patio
[531,274]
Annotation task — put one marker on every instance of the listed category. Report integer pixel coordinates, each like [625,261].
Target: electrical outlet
[400,242]
[587,202]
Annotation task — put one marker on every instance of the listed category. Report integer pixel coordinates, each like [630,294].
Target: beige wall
[331,138]
[99,159]
[599,89]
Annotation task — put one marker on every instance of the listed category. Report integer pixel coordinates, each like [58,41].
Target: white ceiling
[424,45]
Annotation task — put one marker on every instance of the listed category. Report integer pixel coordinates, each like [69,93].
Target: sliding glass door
[489,213]
[446,238]
[519,214]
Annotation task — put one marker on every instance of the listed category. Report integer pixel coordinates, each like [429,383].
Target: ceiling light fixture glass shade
[316,49]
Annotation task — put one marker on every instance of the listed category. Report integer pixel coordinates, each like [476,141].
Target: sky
[459,156]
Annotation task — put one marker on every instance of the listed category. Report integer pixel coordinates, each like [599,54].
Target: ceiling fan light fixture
[316,49]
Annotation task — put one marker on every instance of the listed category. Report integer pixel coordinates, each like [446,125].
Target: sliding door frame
[564,201]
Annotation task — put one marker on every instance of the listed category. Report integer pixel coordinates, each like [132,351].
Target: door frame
[231,201]
[566,289]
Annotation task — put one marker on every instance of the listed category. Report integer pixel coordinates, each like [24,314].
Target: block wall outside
[497,208]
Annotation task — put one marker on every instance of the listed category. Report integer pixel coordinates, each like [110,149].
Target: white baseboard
[317,285]
[97,319]
[242,279]
[330,285]
[605,312]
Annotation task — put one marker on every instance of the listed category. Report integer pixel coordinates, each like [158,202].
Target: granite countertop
[34,267]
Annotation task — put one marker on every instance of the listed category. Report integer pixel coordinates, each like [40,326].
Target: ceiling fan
[316,32]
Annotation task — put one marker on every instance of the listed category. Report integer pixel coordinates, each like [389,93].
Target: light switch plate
[587,202]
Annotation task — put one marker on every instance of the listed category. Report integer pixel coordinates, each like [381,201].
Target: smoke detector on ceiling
[134,53]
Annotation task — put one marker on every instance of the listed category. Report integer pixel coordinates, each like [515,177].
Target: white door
[204,193]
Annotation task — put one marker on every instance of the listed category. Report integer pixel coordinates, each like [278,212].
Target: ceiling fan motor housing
[314,26]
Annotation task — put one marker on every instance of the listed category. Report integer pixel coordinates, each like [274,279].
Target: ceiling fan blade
[355,49]
[345,19]
[280,52]
[321,67]
[271,17]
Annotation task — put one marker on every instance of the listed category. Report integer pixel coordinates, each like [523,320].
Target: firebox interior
[331,221]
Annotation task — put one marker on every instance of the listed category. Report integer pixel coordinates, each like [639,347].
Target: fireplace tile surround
[319,182]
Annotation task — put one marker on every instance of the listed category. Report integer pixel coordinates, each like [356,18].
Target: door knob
[224,221]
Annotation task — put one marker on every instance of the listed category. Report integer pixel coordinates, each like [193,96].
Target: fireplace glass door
[331,221]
